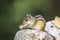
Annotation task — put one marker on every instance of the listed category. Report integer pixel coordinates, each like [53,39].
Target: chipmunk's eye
[26,19]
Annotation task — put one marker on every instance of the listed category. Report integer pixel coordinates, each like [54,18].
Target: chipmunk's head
[28,22]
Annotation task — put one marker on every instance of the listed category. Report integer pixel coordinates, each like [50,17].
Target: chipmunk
[56,22]
[53,27]
[37,22]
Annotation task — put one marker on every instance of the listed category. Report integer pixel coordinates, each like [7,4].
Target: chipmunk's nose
[23,26]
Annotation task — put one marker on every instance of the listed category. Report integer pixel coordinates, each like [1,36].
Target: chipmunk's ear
[29,15]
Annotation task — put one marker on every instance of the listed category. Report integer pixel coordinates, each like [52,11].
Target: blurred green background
[12,12]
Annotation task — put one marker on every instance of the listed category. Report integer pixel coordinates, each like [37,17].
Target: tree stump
[28,34]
